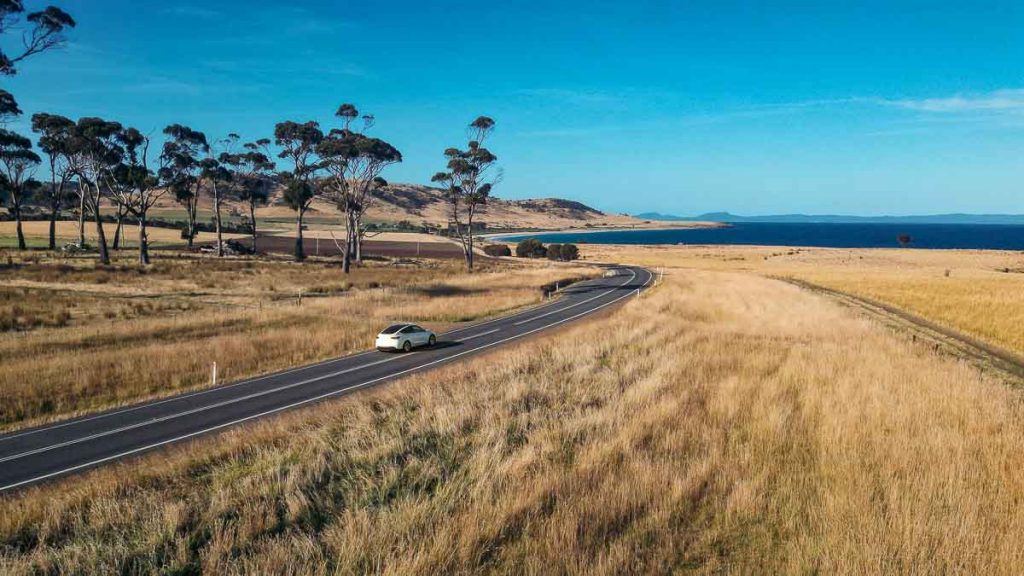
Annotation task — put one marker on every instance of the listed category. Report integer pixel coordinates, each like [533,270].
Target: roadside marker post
[214,373]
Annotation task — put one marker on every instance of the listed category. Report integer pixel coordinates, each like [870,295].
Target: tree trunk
[358,239]
[16,209]
[300,254]
[467,244]
[143,240]
[101,238]
[81,215]
[252,224]
[346,262]
[54,210]
[118,230]
[190,209]
[216,219]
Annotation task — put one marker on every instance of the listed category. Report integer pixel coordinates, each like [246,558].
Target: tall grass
[721,423]
[118,336]
[978,292]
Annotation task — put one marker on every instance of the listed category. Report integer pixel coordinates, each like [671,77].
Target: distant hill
[420,205]
[838,219]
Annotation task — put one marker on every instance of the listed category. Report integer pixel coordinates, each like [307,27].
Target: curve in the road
[47,452]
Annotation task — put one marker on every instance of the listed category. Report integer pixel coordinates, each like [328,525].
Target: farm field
[977,292]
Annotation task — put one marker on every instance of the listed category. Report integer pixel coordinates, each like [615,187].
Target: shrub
[497,250]
[531,248]
[570,252]
[563,252]
[554,251]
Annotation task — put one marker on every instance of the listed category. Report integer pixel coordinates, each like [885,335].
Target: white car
[405,337]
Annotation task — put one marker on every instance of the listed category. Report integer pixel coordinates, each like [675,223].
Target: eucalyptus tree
[218,180]
[44,30]
[181,169]
[40,31]
[354,163]
[55,134]
[252,172]
[468,182]
[95,154]
[298,143]
[18,164]
[135,186]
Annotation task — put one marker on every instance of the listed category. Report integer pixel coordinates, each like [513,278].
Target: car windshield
[393,328]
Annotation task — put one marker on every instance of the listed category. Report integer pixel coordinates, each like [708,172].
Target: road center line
[467,338]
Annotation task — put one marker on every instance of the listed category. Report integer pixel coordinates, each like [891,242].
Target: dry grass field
[77,337]
[977,292]
[37,234]
[724,423]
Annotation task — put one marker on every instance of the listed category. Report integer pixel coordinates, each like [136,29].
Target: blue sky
[680,107]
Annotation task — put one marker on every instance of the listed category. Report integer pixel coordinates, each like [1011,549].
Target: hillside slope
[419,205]
[425,205]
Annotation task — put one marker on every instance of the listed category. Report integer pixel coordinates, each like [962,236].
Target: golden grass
[38,233]
[722,423]
[977,292]
[81,338]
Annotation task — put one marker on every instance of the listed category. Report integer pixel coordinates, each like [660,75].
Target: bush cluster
[564,252]
[497,250]
[533,248]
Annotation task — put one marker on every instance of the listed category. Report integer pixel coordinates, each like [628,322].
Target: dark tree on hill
[134,185]
[298,143]
[354,163]
[466,182]
[18,164]
[96,153]
[181,169]
[252,170]
[55,134]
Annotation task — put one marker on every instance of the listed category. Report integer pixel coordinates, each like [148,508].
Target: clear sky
[854,107]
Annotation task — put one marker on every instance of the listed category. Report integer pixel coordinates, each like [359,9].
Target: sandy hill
[418,205]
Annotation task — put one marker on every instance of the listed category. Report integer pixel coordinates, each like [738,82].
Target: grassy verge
[76,337]
[724,422]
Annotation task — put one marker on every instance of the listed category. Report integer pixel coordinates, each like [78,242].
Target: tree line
[96,164]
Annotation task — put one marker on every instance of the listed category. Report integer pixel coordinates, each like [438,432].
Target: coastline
[499,236]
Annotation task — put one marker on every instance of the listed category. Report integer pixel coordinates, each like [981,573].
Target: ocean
[931,236]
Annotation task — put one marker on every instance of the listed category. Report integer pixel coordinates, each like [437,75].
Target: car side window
[417,329]
[406,330]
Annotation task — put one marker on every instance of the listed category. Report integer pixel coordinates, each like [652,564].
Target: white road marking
[316,398]
[468,338]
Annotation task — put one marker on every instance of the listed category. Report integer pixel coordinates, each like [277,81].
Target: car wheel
[407,346]
[432,341]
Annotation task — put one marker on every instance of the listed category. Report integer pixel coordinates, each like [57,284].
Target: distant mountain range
[837,219]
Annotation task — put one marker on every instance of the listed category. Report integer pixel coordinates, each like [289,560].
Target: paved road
[48,452]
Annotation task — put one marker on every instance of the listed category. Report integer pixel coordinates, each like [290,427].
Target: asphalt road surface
[40,454]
